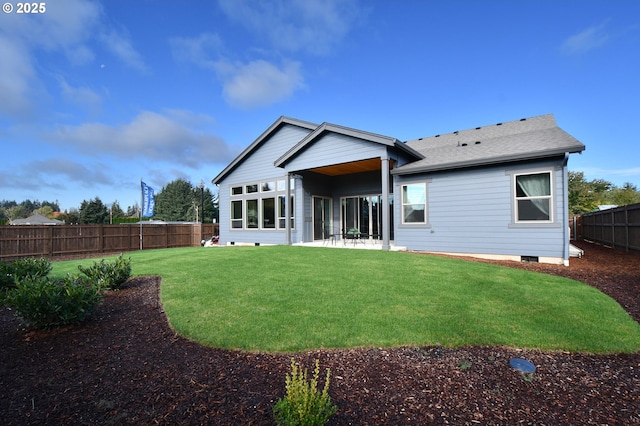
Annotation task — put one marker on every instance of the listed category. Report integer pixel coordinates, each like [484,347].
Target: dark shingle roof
[525,139]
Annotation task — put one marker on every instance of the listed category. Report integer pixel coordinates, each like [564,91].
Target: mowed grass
[287,299]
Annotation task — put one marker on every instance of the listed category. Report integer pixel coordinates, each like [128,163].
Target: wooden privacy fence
[618,227]
[64,240]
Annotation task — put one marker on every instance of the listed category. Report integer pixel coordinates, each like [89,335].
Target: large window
[268,213]
[282,224]
[236,214]
[533,197]
[414,203]
[260,205]
[252,214]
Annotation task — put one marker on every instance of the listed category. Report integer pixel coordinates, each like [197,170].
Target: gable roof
[346,131]
[256,143]
[524,139]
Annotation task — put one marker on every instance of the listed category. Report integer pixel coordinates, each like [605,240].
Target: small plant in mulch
[27,268]
[46,302]
[109,275]
[464,364]
[304,404]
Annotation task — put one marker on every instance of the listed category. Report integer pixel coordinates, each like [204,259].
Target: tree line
[178,201]
[585,196]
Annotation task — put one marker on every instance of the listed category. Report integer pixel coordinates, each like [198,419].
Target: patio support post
[287,208]
[386,232]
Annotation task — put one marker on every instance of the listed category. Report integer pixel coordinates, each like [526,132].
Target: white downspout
[565,208]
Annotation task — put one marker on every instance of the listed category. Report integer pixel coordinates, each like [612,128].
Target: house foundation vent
[529,259]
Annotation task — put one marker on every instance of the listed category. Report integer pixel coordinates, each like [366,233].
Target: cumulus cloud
[586,40]
[313,26]
[162,137]
[245,85]
[259,83]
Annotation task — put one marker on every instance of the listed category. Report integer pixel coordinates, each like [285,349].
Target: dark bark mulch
[126,366]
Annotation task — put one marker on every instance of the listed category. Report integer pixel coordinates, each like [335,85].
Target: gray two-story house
[497,191]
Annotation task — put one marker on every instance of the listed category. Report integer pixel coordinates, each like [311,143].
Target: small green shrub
[27,268]
[6,276]
[303,404]
[109,275]
[47,302]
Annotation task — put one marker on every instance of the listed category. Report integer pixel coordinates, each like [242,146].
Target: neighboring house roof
[525,139]
[256,143]
[606,207]
[37,219]
[346,131]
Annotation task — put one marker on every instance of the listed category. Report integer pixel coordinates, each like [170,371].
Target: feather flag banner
[148,200]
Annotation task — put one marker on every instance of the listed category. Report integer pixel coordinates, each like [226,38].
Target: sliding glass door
[322,228]
[362,213]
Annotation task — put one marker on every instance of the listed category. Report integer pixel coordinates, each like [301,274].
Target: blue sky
[95,95]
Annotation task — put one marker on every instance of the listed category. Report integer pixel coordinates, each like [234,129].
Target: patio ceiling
[360,166]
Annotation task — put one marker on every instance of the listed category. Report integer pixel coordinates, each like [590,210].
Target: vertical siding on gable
[255,168]
[469,211]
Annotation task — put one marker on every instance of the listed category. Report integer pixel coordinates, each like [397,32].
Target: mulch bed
[127,366]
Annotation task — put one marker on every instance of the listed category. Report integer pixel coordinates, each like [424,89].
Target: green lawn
[284,298]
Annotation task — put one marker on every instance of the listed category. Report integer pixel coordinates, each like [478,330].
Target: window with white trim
[282,224]
[252,214]
[533,197]
[260,205]
[268,213]
[236,214]
[414,203]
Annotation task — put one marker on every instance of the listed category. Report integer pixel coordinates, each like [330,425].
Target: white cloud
[589,39]
[121,47]
[245,85]
[68,27]
[199,50]
[170,138]
[54,173]
[17,79]
[259,83]
[82,96]
[313,26]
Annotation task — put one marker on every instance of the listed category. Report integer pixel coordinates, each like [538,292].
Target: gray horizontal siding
[471,212]
[255,168]
[333,148]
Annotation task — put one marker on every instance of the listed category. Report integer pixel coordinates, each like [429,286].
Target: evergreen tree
[176,202]
[93,211]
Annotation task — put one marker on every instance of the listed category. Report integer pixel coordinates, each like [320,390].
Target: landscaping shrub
[27,268]
[303,404]
[109,275]
[6,276]
[45,302]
